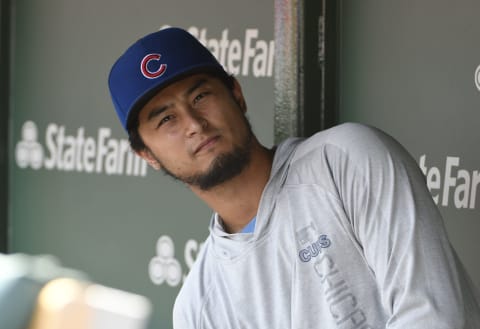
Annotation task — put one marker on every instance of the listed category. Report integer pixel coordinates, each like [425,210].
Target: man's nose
[195,122]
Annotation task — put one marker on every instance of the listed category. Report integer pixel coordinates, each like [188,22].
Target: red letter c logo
[152,74]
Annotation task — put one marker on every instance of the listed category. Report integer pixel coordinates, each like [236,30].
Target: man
[334,231]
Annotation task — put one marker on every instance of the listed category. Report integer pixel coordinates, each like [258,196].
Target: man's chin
[222,169]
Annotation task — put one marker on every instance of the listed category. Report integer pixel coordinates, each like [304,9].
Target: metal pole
[4,119]
[305,83]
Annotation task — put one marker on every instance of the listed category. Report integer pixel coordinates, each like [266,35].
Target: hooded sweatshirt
[347,236]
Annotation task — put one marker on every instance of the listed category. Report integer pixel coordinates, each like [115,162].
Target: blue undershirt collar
[250,227]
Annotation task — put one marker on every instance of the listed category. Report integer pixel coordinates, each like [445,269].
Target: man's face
[196,131]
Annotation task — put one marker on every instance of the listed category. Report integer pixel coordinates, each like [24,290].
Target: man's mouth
[206,144]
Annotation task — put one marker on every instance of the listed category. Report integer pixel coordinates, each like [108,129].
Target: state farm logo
[451,184]
[477,77]
[245,55]
[29,152]
[165,268]
[64,150]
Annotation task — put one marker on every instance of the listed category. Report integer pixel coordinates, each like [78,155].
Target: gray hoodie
[347,236]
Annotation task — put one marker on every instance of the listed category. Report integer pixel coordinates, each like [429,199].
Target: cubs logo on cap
[147,73]
[152,63]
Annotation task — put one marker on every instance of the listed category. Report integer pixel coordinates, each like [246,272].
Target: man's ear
[148,156]
[238,94]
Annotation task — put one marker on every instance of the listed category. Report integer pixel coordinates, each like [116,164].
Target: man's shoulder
[346,147]
[354,139]
[196,286]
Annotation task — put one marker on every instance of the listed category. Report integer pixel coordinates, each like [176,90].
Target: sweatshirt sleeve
[401,231]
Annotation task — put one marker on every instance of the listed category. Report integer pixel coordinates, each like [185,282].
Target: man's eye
[165,119]
[199,97]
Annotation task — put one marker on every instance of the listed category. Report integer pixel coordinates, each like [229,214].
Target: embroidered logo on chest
[311,242]
[315,248]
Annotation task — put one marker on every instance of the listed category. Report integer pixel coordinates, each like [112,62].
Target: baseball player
[334,231]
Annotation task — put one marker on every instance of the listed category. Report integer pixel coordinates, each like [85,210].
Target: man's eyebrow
[195,86]
[156,111]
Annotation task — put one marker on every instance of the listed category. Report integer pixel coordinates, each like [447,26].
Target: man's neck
[236,201]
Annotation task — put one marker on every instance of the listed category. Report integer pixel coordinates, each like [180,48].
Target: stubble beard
[223,168]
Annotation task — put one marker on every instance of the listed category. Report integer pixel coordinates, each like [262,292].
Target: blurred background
[69,186]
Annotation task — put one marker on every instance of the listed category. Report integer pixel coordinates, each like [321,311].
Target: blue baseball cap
[152,63]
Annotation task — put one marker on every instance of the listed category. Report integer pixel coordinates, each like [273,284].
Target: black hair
[136,141]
